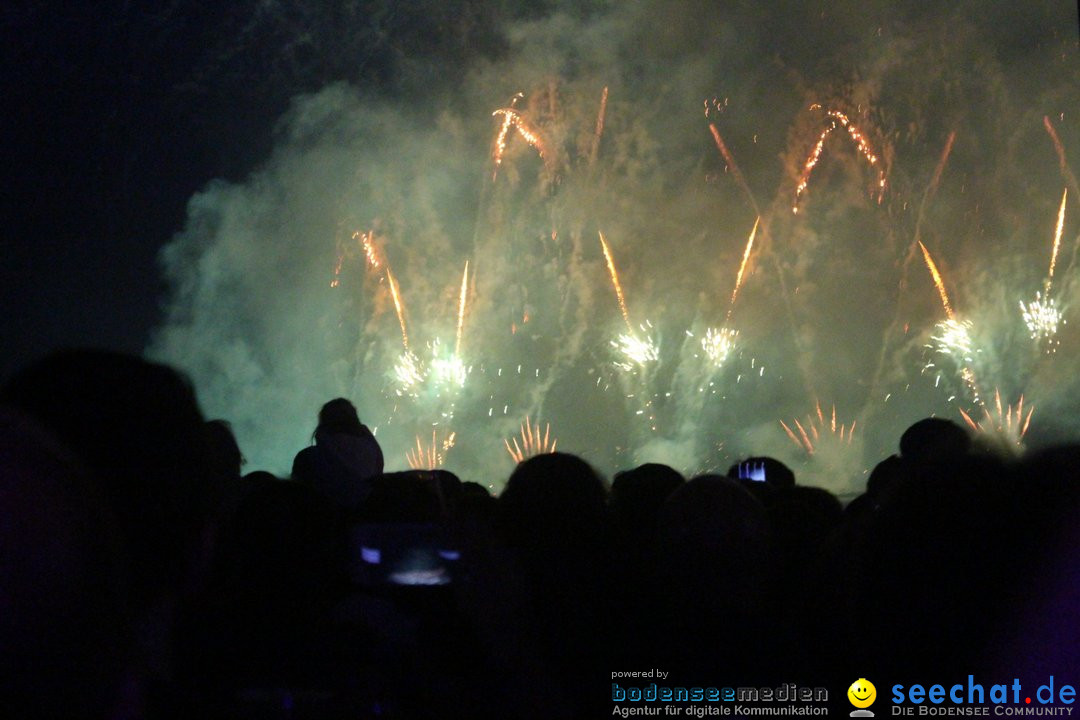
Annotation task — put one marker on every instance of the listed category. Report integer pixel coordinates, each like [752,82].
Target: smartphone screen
[752,471]
[401,554]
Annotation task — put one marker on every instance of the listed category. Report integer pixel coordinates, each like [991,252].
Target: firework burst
[838,119]
[429,456]
[636,351]
[532,442]
[817,428]
[718,344]
[1007,423]
[409,374]
[1042,318]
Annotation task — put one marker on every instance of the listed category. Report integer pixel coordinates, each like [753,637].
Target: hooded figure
[343,459]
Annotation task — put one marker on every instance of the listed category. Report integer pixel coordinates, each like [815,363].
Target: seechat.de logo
[862,694]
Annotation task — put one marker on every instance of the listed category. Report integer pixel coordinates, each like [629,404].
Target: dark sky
[115,113]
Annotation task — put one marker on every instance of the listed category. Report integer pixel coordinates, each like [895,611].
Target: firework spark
[742,266]
[429,457]
[1042,318]
[932,267]
[718,344]
[398,307]
[1060,150]
[634,350]
[599,127]
[367,243]
[940,169]
[857,137]
[953,339]
[461,309]
[532,442]
[615,282]
[730,160]
[1008,422]
[409,374]
[449,371]
[808,166]
[1057,238]
[819,427]
[499,146]
[336,280]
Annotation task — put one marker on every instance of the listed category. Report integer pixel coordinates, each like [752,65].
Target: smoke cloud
[275,308]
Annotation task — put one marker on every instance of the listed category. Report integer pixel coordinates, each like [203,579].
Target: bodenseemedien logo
[862,694]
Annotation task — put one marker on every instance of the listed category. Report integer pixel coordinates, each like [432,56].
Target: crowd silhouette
[142,575]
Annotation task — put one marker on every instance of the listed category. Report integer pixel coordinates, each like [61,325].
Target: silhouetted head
[339,416]
[934,440]
[885,477]
[713,542]
[225,456]
[637,494]
[554,499]
[137,427]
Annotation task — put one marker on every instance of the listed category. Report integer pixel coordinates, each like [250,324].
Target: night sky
[180,178]
[116,113]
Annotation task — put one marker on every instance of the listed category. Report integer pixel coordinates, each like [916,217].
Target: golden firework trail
[599,126]
[1057,239]
[500,138]
[431,456]
[1009,422]
[932,188]
[742,267]
[367,243]
[730,160]
[336,280]
[1063,164]
[819,427]
[863,145]
[860,142]
[615,283]
[461,308]
[932,266]
[397,306]
[532,442]
[808,166]
[530,135]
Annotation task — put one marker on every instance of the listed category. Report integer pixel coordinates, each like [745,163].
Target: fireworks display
[718,344]
[837,119]
[1007,424]
[615,284]
[479,197]
[532,442]
[809,435]
[429,456]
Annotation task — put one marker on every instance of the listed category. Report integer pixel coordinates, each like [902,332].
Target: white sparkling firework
[718,344]
[953,338]
[409,374]
[1042,318]
[449,371]
[636,350]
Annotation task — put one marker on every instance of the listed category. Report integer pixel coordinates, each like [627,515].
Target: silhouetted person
[225,457]
[136,427]
[344,457]
[553,517]
[62,582]
[934,440]
[711,574]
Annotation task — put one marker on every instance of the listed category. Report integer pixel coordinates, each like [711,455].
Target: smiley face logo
[862,693]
